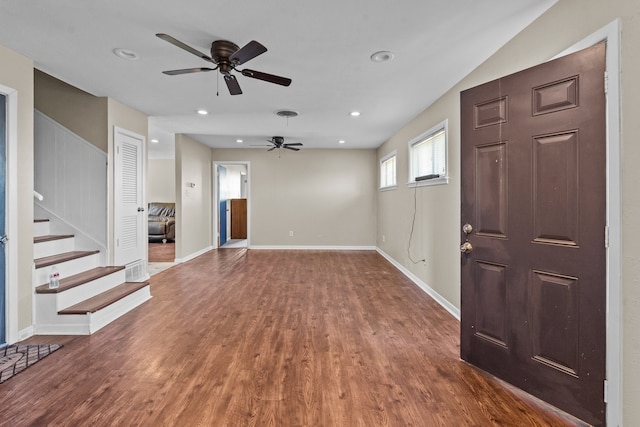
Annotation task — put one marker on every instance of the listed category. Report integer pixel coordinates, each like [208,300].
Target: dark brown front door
[533,295]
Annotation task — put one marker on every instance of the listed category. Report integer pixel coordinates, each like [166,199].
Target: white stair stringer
[51,323]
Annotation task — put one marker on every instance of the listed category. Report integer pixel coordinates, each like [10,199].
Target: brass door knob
[466,248]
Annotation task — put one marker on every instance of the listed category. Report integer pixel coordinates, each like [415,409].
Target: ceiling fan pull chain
[218,84]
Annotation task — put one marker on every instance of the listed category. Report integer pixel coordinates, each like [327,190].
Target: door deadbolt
[467,228]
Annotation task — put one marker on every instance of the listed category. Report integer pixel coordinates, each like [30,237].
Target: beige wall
[326,197]
[568,22]
[16,72]
[161,180]
[79,111]
[193,205]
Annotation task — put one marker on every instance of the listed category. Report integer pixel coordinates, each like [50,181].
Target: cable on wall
[413,222]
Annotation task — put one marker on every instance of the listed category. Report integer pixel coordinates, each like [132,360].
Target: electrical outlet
[384,239]
[291,233]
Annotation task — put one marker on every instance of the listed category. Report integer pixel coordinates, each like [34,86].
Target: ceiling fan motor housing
[278,140]
[221,50]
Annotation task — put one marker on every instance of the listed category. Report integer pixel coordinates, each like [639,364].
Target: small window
[428,157]
[388,171]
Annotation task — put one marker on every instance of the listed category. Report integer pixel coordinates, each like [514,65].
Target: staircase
[89,297]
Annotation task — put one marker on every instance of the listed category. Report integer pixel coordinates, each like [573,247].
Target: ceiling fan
[278,142]
[227,56]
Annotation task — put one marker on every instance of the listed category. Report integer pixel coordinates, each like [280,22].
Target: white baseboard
[455,312]
[25,333]
[315,248]
[193,255]
[63,329]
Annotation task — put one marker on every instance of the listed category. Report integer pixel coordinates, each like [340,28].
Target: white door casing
[13,334]
[129,207]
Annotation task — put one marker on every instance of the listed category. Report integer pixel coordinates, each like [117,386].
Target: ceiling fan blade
[294,144]
[266,77]
[176,42]
[247,52]
[272,148]
[187,71]
[291,148]
[232,84]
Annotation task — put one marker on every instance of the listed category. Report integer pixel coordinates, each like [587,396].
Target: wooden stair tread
[51,237]
[67,256]
[78,279]
[104,299]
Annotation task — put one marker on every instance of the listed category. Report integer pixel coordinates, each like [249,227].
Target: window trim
[393,154]
[443,125]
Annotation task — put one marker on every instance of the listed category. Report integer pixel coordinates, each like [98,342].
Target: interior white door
[129,208]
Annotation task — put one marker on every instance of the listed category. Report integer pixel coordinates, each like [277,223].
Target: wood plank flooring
[242,337]
[162,252]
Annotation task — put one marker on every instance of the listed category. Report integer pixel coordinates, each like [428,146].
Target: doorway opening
[161,212]
[231,196]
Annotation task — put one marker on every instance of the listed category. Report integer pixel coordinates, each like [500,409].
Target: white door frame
[613,389]
[216,200]
[116,208]
[12,334]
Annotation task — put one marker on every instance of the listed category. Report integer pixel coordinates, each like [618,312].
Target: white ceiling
[323,46]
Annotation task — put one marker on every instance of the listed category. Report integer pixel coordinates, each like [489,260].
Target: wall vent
[135,271]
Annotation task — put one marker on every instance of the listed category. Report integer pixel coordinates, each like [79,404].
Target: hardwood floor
[162,252]
[242,337]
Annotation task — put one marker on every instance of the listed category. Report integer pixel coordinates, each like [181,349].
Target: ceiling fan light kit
[227,56]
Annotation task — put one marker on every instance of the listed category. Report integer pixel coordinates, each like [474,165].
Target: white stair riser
[87,290]
[41,228]
[66,269]
[102,318]
[53,247]
[85,324]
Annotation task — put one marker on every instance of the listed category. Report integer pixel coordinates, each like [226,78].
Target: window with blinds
[388,171]
[428,157]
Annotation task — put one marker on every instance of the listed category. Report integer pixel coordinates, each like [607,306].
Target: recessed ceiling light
[203,112]
[354,113]
[239,141]
[342,141]
[155,141]
[125,54]
[382,56]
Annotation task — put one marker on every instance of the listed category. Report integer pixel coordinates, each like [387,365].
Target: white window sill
[429,182]
[391,187]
